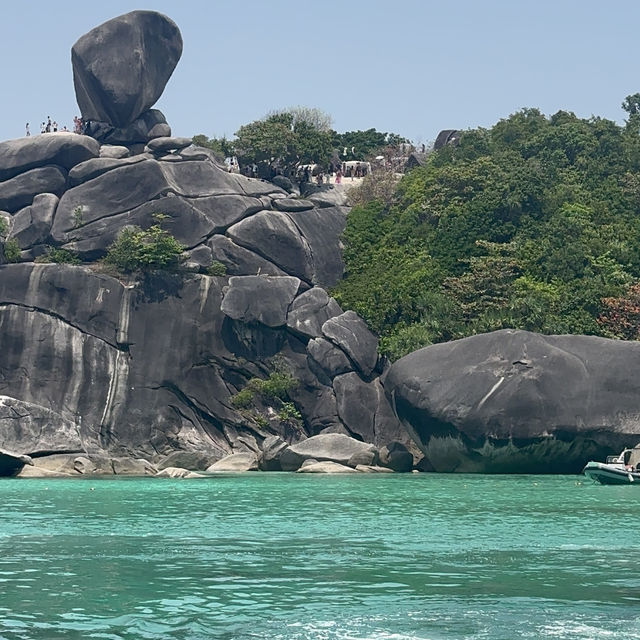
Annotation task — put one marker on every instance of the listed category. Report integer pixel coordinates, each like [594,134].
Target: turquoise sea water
[286,556]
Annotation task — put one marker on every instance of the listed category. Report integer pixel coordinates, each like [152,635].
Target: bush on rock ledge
[144,250]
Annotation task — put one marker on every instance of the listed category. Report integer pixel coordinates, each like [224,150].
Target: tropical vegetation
[532,224]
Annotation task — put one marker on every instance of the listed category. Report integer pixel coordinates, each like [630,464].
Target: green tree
[631,104]
[222,147]
[282,139]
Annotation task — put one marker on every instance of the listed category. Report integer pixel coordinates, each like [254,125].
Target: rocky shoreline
[328,453]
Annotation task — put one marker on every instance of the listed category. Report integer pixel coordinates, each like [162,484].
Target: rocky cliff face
[120,366]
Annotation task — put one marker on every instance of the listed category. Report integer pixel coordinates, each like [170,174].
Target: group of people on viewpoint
[51,126]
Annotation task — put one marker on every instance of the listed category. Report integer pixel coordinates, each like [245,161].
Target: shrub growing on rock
[12,250]
[59,256]
[144,250]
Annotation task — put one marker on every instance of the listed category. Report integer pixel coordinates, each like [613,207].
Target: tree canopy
[297,135]
[533,224]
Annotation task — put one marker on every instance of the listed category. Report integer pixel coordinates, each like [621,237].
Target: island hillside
[161,311]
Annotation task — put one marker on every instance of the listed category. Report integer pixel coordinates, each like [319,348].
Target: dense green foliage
[532,224]
[358,145]
[145,250]
[297,136]
[12,250]
[59,256]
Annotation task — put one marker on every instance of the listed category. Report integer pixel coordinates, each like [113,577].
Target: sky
[412,67]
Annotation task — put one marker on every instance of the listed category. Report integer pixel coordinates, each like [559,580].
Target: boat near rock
[620,469]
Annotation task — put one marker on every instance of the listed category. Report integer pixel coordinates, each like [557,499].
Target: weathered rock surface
[369,468]
[121,67]
[329,358]
[11,463]
[239,261]
[325,467]
[292,204]
[272,449]
[133,467]
[40,472]
[114,151]
[263,299]
[396,456]
[167,143]
[350,332]
[310,311]
[306,245]
[102,374]
[173,472]
[27,427]
[20,191]
[235,463]
[65,150]
[330,447]
[90,169]
[190,460]
[32,225]
[514,401]
[330,196]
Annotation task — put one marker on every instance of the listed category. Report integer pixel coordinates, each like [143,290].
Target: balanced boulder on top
[121,67]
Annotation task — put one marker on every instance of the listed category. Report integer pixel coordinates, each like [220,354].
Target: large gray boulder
[94,167]
[34,429]
[310,310]
[330,359]
[65,150]
[20,191]
[239,261]
[350,332]
[121,67]
[263,299]
[304,244]
[272,449]
[235,463]
[149,125]
[32,225]
[199,199]
[514,401]
[325,467]
[11,463]
[331,447]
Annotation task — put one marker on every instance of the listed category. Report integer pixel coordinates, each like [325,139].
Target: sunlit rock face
[514,401]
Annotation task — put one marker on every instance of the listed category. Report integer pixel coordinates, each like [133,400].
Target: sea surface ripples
[293,557]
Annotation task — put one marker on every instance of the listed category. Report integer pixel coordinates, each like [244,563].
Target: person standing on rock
[28,132]
[55,127]
[43,128]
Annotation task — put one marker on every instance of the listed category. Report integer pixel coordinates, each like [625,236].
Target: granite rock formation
[519,402]
[99,368]
[121,67]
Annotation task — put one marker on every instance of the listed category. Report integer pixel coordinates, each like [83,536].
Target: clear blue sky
[411,66]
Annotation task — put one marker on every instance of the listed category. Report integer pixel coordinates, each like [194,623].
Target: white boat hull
[610,474]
